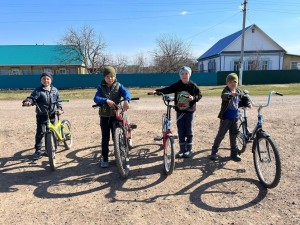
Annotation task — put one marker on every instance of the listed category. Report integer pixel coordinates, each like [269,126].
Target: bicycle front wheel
[121,151]
[50,146]
[169,155]
[267,162]
[241,138]
[66,134]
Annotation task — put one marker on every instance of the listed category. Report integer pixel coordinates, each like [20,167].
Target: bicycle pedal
[158,138]
[132,126]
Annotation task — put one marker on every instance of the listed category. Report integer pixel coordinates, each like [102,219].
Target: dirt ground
[198,192]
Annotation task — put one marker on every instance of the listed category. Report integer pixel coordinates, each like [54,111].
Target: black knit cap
[48,74]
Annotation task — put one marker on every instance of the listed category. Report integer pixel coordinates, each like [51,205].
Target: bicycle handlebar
[166,98]
[132,99]
[246,93]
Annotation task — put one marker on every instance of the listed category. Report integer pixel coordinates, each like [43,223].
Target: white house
[260,52]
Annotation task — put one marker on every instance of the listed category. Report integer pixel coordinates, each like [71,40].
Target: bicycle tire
[268,168]
[241,140]
[66,134]
[51,149]
[169,155]
[121,151]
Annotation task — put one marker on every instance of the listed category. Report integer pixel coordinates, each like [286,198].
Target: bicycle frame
[167,121]
[56,128]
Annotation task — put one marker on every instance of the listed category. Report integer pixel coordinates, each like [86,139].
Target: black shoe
[188,154]
[37,155]
[214,157]
[179,155]
[236,158]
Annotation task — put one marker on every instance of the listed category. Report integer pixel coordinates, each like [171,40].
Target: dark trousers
[185,126]
[41,123]
[226,125]
[106,125]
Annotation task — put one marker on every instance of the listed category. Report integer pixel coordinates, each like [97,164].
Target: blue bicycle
[265,153]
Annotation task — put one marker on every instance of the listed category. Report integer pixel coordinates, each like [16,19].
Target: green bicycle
[57,133]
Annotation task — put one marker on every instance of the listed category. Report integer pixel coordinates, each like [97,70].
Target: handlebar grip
[94,106]
[132,99]
[277,93]
[150,93]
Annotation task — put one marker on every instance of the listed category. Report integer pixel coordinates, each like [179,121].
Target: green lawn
[286,89]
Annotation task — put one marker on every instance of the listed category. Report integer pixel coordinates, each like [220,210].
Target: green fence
[149,80]
[264,77]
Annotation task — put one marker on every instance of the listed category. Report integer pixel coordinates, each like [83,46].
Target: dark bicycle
[265,153]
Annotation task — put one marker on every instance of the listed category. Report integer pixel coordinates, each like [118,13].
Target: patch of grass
[286,89]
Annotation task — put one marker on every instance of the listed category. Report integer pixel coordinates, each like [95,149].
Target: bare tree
[120,62]
[171,53]
[86,46]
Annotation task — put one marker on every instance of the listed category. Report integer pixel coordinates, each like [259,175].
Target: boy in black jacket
[228,115]
[187,94]
[47,98]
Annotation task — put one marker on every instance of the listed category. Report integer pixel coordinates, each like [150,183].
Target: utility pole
[241,63]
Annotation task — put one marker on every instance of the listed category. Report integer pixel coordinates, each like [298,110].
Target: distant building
[291,62]
[35,59]
[260,53]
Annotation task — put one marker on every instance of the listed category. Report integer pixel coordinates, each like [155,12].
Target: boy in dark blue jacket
[47,99]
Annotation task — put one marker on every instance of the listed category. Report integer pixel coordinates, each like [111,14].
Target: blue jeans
[185,126]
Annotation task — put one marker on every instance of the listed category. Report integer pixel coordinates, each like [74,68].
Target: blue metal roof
[35,55]
[222,44]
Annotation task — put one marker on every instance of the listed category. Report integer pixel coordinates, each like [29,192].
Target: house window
[212,66]
[15,71]
[201,67]
[62,71]
[295,65]
[252,65]
[236,66]
[264,65]
[47,70]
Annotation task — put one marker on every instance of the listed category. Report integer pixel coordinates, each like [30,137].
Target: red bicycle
[167,135]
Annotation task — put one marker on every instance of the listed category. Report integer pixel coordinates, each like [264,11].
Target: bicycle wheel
[121,151]
[169,155]
[51,149]
[241,140]
[66,134]
[163,123]
[267,162]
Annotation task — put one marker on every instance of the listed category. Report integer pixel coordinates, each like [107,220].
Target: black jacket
[46,100]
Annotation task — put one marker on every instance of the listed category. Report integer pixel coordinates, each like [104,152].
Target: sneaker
[188,154]
[37,155]
[179,155]
[236,158]
[214,157]
[104,164]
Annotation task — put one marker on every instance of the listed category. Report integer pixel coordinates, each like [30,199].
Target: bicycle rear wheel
[66,134]
[121,151]
[169,155]
[50,146]
[241,137]
[267,162]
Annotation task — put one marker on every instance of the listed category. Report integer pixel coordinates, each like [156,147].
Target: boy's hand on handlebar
[59,112]
[110,103]
[26,103]
[125,105]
